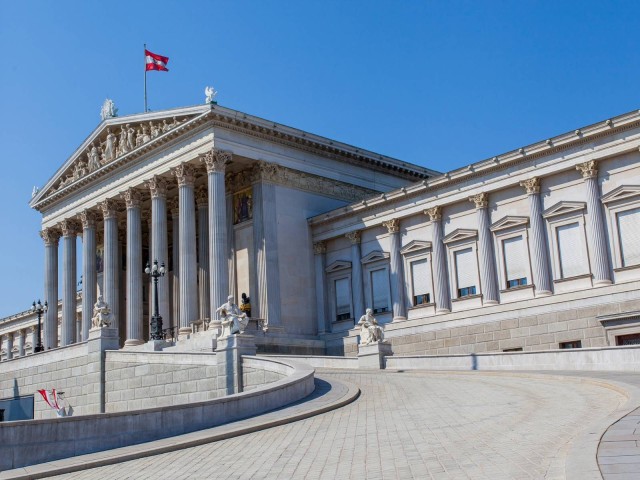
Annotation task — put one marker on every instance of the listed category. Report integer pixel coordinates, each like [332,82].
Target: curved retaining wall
[317,361]
[35,441]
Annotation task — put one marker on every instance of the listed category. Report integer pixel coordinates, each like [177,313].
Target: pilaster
[320,262]
[357,285]
[488,274]
[441,280]
[396,275]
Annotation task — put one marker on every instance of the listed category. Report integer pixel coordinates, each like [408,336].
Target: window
[420,280]
[629,233]
[632,339]
[379,290]
[570,253]
[516,349]
[343,299]
[515,261]
[573,344]
[465,272]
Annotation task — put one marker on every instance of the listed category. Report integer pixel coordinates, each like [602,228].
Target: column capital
[158,187]
[216,160]
[50,236]
[185,174]
[69,228]
[265,171]
[435,213]
[481,200]
[531,185]
[88,218]
[588,169]
[109,208]
[132,198]
[174,206]
[319,248]
[202,196]
[393,225]
[354,237]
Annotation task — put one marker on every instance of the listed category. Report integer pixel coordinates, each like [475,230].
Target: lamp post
[156,319]
[39,309]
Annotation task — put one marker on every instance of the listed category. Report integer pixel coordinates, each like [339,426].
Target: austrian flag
[155,62]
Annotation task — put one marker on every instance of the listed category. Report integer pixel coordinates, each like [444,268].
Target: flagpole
[145,78]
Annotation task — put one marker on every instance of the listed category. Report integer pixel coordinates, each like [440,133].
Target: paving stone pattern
[403,426]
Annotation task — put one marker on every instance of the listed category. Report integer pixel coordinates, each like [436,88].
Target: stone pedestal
[372,356]
[229,353]
[105,338]
[155,345]
[100,339]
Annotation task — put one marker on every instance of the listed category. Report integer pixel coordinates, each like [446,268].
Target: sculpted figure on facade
[108,110]
[165,126]
[110,146]
[131,137]
[145,134]
[232,319]
[94,158]
[210,95]
[101,314]
[370,331]
[154,129]
[80,169]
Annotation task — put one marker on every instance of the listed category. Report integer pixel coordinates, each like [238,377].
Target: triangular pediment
[415,246]
[460,234]
[622,192]
[337,266]
[561,208]
[375,256]
[508,222]
[114,142]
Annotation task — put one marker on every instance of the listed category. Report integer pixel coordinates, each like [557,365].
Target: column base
[490,302]
[543,293]
[440,311]
[398,319]
[132,342]
[602,282]
[371,357]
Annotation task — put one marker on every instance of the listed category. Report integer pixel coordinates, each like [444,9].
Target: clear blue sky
[440,84]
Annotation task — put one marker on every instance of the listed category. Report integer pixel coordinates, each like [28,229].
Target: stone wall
[67,369]
[136,380]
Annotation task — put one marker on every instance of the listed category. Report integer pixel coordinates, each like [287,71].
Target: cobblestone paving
[403,426]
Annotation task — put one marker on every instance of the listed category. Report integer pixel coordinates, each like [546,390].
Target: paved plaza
[476,425]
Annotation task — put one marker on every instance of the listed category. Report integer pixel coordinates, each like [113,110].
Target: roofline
[543,147]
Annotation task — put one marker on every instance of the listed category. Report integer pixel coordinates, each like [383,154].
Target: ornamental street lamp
[156,319]
[39,309]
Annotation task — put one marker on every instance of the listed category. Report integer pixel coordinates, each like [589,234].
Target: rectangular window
[465,272]
[420,275]
[629,232]
[573,344]
[343,299]
[380,290]
[572,261]
[631,339]
[516,349]
[515,261]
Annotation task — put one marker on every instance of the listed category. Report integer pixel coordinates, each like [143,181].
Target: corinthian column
[159,249]
[111,266]
[21,342]
[175,256]
[51,237]
[539,253]
[188,265]
[357,286]
[202,204]
[215,161]
[89,274]
[69,282]
[441,294]
[320,260]
[488,275]
[397,279]
[134,268]
[595,225]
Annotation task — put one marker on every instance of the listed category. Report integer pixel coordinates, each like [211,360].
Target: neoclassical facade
[537,248]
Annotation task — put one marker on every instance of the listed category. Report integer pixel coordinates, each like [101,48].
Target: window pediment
[621,192]
[337,266]
[460,234]
[375,256]
[508,222]
[561,208]
[415,246]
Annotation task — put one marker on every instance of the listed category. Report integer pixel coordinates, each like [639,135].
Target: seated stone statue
[233,321]
[101,314]
[370,331]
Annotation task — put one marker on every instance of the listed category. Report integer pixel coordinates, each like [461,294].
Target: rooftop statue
[108,110]
[210,95]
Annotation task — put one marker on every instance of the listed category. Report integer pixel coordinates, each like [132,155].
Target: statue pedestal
[103,338]
[100,339]
[372,356]
[229,353]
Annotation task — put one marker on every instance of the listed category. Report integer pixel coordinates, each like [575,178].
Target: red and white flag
[155,62]
[51,397]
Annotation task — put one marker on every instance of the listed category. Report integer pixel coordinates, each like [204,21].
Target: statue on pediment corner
[108,110]
[210,95]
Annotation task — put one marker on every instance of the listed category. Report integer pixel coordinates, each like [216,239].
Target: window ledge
[624,269]
[468,297]
[422,305]
[515,289]
[568,279]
